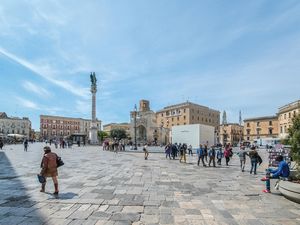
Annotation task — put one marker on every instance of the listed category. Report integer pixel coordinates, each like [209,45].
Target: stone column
[93,136]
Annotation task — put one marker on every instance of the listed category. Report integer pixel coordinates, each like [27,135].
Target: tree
[118,133]
[102,135]
[294,140]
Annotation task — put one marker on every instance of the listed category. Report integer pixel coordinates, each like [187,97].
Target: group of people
[205,155]
[208,156]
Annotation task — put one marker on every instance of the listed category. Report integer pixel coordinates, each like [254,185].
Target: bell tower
[144,105]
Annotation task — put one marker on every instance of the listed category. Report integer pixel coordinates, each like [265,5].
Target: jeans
[243,161]
[253,166]
[202,160]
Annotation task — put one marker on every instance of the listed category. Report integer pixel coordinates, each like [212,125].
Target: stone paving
[100,187]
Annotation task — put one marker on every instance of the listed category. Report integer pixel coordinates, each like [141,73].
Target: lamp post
[161,135]
[135,114]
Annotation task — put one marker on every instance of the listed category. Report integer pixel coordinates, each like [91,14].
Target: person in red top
[227,153]
[49,168]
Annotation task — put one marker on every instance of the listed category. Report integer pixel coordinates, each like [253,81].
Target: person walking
[227,154]
[212,156]
[25,145]
[205,153]
[254,160]
[190,149]
[219,156]
[174,151]
[168,149]
[242,155]
[146,152]
[1,144]
[183,152]
[49,168]
[200,153]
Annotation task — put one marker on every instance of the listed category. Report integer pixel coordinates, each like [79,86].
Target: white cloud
[42,92]
[47,73]
[27,103]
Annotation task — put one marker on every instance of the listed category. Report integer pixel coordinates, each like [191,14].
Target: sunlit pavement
[101,187]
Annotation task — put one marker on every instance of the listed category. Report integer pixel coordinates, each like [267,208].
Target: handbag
[41,178]
[59,161]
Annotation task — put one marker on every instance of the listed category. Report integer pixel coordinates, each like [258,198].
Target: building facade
[56,127]
[260,127]
[231,133]
[285,115]
[111,126]
[187,113]
[14,125]
[143,125]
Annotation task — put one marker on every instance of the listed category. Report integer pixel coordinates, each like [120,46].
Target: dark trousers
[227,160]
[253,166]
[168,154]
[212,159]
[202,160]
[219,161]
[190,152]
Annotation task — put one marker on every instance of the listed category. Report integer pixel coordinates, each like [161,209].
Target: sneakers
[266,191]
[264,179]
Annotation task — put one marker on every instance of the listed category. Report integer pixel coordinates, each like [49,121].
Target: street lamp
[135,114]
[161,136]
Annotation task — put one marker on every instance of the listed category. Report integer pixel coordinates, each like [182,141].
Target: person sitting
[283,171]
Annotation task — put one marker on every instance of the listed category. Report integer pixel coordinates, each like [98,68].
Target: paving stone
[111,189]
[80,214]
[131,217]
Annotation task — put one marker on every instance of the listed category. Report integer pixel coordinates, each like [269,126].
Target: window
[248,124]
[281,130]
[270,123]
[270,131]
[248,132]
[198,118]
[248,138]
[257,131]
[177,118]
[284,130]
[184,117]
[289,115]
[294,113]
[284,116]
[192,117]
[162,114]
[184,110]
[258,124]
[184,123]
[172,119]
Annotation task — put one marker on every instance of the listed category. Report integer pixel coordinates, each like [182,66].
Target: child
[219,156]
[146,152]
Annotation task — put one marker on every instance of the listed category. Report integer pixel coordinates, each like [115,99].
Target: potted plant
[291,189]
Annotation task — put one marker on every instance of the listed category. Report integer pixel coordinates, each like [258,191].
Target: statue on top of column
[93,78]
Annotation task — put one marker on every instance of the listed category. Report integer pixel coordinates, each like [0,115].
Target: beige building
[14,125]
[187,113]
[111,126]
[54,127]
[231,133]
[144,128]
[285,115]
[260,127]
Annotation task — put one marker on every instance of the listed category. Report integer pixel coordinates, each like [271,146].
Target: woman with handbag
[49,168]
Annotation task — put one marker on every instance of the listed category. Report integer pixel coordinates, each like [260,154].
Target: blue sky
[228,55]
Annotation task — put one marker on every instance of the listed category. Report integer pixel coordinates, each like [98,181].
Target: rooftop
[261,118]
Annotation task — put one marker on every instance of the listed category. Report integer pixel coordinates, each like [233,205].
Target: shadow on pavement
[16,205]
